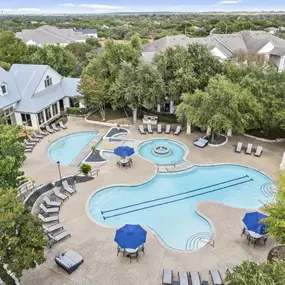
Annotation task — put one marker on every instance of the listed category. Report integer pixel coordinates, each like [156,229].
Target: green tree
[12,49]
[93,42]
[251,273]
[222,106]
[21,236]
[12,156]
[58,58]
[5,65]
[136,87]
[276,212]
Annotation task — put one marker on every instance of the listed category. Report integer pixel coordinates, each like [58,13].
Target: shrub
[76,111]
[85,169]
[93,149]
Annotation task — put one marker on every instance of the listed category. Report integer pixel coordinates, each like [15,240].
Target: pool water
[67,148]
[174,218]
[147,150]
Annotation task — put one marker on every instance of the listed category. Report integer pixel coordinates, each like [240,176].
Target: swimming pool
[162,151]
[67,148]
[167,203]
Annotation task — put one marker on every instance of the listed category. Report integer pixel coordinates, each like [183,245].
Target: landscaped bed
[271,134]
[95,157]
[116,131]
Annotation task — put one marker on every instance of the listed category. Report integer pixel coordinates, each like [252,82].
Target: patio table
[254,235]
[124,160]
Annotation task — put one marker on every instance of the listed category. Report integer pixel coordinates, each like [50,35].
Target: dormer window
[48,81]
[4,89]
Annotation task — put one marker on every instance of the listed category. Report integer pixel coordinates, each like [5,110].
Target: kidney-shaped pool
[166,204]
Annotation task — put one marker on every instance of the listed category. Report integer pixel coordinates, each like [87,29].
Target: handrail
[211,241]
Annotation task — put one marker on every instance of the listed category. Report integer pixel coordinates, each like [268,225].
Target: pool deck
[95,243]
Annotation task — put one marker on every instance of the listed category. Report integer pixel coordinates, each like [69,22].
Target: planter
[276,254]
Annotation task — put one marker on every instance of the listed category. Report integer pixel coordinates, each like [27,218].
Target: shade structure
[130,236]
[253,223]
[124,151]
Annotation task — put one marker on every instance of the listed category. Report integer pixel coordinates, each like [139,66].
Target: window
[8,115]
[4,89]
[74,103]
[26,119]
[54,109]
[48,81]
[41,118]
[48,113]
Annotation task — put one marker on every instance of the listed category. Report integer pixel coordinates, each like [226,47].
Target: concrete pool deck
[95,243]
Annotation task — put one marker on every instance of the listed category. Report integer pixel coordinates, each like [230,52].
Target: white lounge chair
[62,125]
[68,188]
[33,139]
[30,143]
[239,147]
[141,129]
[38,136]
[50,203]
[258,151]
[29,146]
[43,133]
[49,210]
[49,219]
[55,127]
[28,150]
[178,130]
[53,228]
[167,277]
[167,129]
[249,149]
[216,277]
[201,142]
[49,130]
[149,129]
[195,278]
[159,129]
[58,237]
[183,278]
[58,194]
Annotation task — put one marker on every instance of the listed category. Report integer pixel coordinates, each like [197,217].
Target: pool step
[175,168]
[268,189]
[198,240]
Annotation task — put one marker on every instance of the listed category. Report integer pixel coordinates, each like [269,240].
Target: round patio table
[254,235]
[124,160]
[131,250]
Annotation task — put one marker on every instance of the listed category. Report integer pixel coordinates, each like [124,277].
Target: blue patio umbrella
[130,236]
[124,151]
[253,223]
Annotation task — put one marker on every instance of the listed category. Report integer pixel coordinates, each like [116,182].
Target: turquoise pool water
[172,215]
[67,148]
[176,153]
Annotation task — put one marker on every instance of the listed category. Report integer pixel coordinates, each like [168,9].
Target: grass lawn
[115,116]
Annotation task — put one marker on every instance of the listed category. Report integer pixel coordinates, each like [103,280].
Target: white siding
[216,52]
[56,78]
[31,43]
[34,120]
[267,48]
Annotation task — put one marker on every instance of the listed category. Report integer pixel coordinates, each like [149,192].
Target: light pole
[59,172]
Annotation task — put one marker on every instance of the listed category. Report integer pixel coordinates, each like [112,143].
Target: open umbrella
[124,151]
[253,223]
[130,236]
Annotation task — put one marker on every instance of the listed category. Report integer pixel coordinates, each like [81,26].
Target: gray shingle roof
[86,31]
[13,95]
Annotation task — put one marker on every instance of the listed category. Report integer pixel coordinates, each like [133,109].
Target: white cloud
[28,10]
[21,11]
[67,5]
[93,6]
[229,2]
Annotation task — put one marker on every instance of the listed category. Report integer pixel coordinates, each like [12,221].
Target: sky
[109,6]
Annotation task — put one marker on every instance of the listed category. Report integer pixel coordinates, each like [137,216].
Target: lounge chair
[28,150]
[178,130]
[68,188]
[167,129]
[216,277]
[258,151]
[205,283]
[249,149]
[54,127]
[49,130]
[149,129]
[195,278]
[43,133]
[167,277]
[48,219]
[38,136]
[141,129]
[183,278]
[58,194]
[159,129]
[29,143]
[239,147]
[53,228]
[201,142]
[58,237]
[33,139]
[29,146]
[50,203]
[62,125]
[49,210]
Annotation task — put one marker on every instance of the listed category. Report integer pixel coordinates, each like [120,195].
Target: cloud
[93,6]
[230,2]
[28,10]
[21,11]
[67,5]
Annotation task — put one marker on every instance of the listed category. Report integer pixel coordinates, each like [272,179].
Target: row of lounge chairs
[37,136]
[193,277]
[159,129]
[48,208]
[249,149]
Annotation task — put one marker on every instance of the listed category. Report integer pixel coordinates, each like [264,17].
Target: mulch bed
[219,139]
[271,134]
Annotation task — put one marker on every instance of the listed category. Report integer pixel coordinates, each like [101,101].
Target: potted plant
[85,169]
[118,126]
